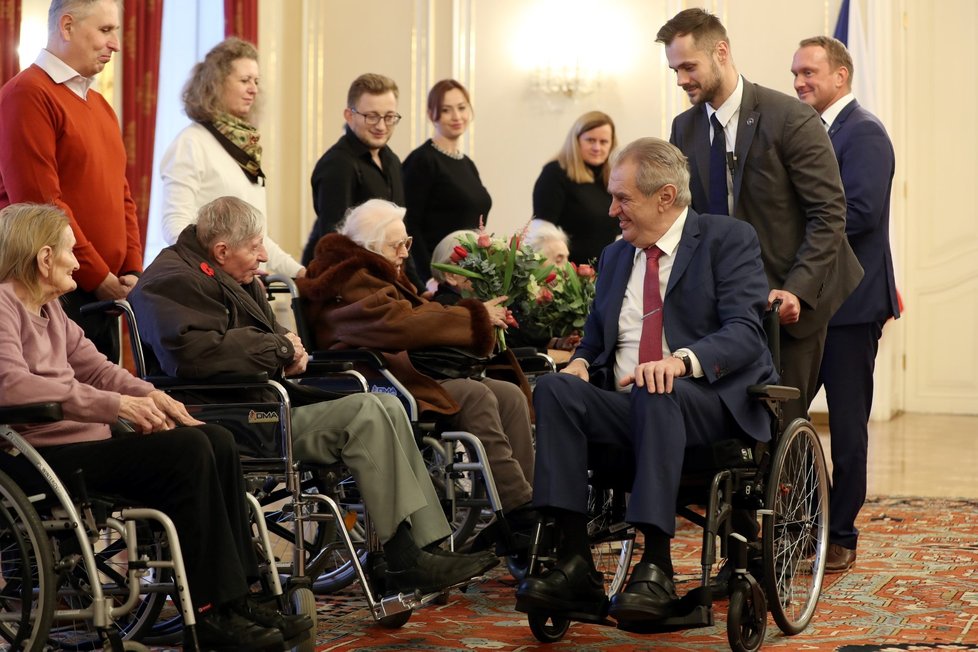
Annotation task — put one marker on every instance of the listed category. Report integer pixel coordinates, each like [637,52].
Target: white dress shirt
[831,113]
[61,73]
[632,308]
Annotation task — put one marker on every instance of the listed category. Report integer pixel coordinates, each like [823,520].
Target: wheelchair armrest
[775,392]
[170,382]
[32,413]
[109,307]
[321,367]
[350,355]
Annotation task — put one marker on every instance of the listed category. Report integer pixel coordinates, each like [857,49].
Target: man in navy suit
[775,169]
[649,391]
[823,71]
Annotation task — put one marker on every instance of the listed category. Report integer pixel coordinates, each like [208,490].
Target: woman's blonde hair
[25,229]
[202,95]
[569,157]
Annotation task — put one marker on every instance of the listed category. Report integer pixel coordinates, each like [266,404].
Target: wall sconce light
[571,81]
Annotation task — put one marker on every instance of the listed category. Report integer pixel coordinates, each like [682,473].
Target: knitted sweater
[47,358]
[58,148]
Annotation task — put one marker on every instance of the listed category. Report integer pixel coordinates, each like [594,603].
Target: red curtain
[143,25]
[241,19]
[9,39]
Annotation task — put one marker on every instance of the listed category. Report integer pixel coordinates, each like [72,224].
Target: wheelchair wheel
[27,585]
[112,564]
[795,529]
[304,602]
[471,503]
[547,628]
[612,540]
[746,619]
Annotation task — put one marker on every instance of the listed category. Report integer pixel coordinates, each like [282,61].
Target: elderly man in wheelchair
[672,343]
[203,312]
[169,461]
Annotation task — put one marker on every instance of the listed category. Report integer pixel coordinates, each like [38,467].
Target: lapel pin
[750,121]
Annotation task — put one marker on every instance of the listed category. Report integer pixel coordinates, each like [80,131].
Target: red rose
[484,240]
[545,296]
[585,271]
[207,269]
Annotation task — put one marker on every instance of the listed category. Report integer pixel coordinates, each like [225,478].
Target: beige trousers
[496,412]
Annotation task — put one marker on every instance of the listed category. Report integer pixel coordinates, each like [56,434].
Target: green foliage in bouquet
[498,268]
[562,309]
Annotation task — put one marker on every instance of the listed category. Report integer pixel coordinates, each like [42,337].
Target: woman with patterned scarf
[219,154]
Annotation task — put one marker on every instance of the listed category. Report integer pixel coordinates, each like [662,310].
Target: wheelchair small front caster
[547,628]
[746,618]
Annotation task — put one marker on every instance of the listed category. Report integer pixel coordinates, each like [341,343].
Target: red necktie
[650,346]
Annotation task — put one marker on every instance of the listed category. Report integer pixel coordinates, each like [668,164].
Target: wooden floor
[929,455]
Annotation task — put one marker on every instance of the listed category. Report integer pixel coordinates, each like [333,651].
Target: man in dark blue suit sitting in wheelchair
[673,340]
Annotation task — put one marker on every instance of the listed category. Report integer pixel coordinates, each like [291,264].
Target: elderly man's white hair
[77,8]
[367,223]
[442,253]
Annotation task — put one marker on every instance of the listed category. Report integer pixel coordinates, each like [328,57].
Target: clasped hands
[154,412]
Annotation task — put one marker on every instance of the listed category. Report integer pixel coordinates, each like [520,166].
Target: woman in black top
[442,187]
[572,190]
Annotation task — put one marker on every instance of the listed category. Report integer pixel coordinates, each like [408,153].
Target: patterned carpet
[914,587]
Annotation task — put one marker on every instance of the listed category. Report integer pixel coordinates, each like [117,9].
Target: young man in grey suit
[773,167]
[823,70]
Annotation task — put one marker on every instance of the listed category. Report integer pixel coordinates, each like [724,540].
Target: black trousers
[102,329]
[193,475]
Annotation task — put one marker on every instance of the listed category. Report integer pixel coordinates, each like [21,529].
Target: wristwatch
[687,362]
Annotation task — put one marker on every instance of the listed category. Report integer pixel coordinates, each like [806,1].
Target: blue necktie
[718,170]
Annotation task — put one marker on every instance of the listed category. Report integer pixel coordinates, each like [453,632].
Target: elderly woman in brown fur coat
[356,295]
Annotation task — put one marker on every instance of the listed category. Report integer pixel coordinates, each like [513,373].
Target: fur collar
[336,260]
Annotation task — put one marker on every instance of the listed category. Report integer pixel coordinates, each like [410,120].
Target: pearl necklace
[457,155]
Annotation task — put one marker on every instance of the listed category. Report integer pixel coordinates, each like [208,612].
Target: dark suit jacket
[713,304]
[786,184]
[866,162]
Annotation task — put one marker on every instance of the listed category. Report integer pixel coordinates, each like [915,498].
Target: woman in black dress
[572,190]
[442,188]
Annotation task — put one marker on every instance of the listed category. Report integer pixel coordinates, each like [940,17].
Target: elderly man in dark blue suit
[673,340]
[823,71]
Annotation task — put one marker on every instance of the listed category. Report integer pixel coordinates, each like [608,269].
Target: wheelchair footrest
[692,610]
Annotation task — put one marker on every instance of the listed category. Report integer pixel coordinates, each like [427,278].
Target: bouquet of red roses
[562,309]
[499,268]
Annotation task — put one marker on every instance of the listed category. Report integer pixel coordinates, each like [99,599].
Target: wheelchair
[307,507]
[78,571]
[784,482]
[457,460]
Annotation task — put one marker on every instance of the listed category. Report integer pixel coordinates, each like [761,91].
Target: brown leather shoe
[839,559]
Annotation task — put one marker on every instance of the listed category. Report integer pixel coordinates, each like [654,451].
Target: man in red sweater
[60,143]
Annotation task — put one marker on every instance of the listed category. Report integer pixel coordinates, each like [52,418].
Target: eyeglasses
[390,119]
[406,243]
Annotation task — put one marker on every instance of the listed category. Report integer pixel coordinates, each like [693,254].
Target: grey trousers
[370,434]
[496,412]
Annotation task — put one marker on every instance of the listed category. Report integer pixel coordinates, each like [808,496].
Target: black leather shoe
[265,615]
[223,629]
[434,572]
[571,588]
[648,596]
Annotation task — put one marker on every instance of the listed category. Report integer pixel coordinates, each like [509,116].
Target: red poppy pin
[207,269]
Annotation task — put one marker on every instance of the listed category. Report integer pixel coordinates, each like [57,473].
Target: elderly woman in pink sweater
[172,462]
